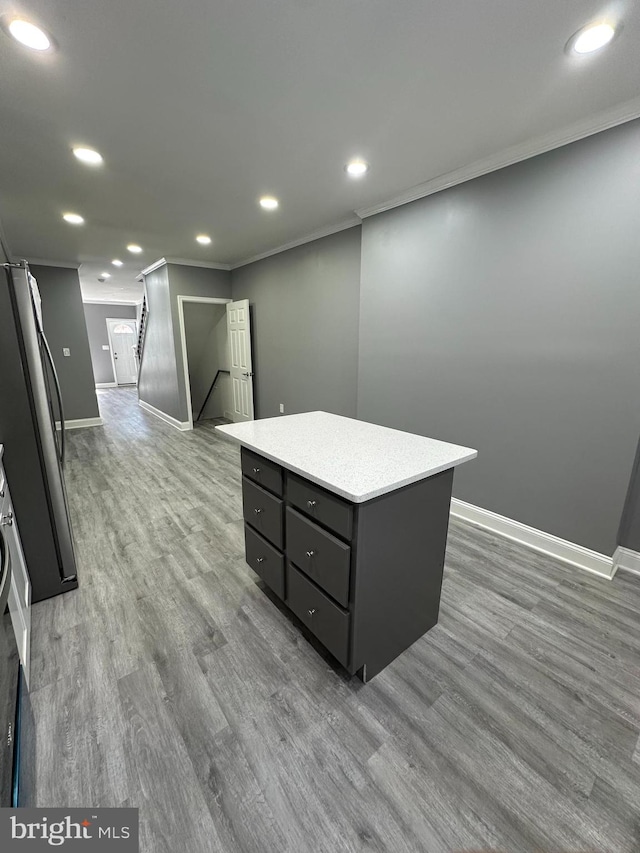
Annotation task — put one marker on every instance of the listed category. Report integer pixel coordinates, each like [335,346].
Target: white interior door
[239,329]
[122,339]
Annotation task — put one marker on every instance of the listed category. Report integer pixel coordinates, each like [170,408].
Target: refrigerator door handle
[58,395]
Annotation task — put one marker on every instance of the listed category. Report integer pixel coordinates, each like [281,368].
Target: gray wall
[504,314]
[96,316]
[157,377]
[629,534]
[192,281]
[161,379]
[304,312]
[64,326]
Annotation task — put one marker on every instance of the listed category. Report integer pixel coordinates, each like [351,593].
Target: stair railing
[206,399]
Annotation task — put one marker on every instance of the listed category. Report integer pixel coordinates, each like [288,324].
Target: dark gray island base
[364,578]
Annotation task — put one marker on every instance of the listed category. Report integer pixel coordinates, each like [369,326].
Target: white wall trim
[627,560]
[41,262]
[181,425]
[207,265]
[619,114]
[106,384]
[228,416]
[81,422]
[107,302]
[210,300]
[154,266]
[184,262]
[309,238]
[537,540]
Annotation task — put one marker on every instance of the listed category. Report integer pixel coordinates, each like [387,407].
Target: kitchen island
[347,523]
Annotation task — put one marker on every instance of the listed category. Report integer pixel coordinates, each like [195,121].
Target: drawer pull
[311,504]
[312,611]
[259,559]
[310,554]
[257,511]
[7,519]
[256,470]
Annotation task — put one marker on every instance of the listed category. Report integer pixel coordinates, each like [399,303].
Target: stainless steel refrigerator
[30,405]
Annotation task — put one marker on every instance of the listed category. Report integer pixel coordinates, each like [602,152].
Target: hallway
[172,682]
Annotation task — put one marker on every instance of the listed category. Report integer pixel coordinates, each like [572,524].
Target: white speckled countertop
[351,458]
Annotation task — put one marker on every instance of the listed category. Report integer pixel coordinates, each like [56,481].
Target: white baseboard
[538,540]
[627,560]
[181,425]
[106,384]
[228,416]
[81,422]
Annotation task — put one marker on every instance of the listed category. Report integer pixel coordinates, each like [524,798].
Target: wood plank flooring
[173,682]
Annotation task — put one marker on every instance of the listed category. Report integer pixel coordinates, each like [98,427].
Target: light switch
[105,346]
[66,351]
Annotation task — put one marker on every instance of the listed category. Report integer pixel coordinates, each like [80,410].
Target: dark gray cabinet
[364,578]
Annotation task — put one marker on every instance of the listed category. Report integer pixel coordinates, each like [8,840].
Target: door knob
[310,554]
[259,559]
[7,520]
[312,611]
[257,511]
[311,504]
[247,374]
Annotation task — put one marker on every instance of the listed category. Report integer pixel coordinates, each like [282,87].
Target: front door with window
[122,339]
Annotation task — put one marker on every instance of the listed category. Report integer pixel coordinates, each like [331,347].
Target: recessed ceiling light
[29,35]
[133,247]
[357,168]
[204,239]
[592,37]
[268,202]
[105,274]
[73,218]
[88,155]
[116,262]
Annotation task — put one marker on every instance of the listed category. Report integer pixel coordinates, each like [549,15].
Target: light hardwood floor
[172,682]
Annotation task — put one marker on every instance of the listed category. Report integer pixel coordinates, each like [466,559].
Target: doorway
[123,337]
[205,356]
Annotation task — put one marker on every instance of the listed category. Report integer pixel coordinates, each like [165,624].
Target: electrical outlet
[66,351]
[282,408]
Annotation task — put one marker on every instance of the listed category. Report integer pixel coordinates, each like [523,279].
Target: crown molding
[186,262]
[154,266]
[126,302]
[183,262]
[309,238]
[42,262]
[622,113]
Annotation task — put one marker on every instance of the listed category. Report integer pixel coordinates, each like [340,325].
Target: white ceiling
[200,107]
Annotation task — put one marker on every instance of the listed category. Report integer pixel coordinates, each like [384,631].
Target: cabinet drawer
[263,471]
[263,511]
[320,555]
[322,616]
[264,560]
[328,509]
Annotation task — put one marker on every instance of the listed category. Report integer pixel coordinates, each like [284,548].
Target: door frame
[107,320]
[210,300]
